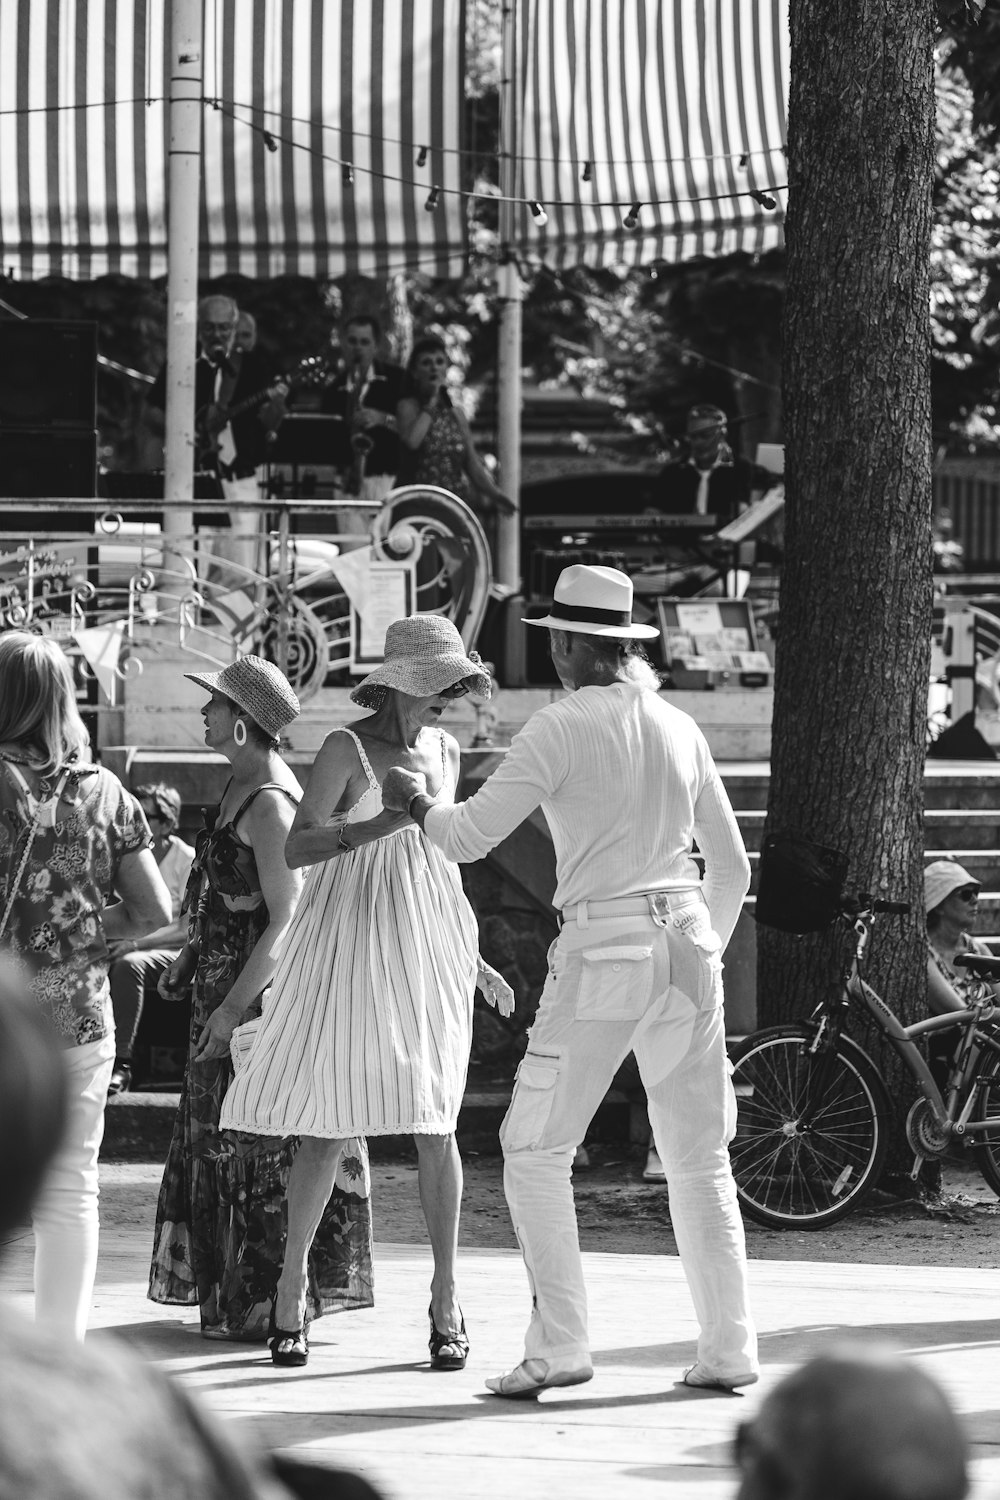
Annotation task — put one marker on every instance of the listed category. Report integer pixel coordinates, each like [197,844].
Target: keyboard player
[709,479]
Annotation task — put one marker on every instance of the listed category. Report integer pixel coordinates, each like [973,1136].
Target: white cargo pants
[615,985]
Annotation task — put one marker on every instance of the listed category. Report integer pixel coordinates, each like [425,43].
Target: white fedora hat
[594,601]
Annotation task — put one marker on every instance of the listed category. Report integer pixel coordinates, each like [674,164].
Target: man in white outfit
[627,784]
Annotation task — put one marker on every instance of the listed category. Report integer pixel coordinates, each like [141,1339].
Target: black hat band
[592,616]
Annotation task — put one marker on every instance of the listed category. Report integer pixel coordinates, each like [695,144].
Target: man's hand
[400,787]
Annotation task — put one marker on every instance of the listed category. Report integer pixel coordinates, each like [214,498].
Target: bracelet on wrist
[342,842]
[409,805]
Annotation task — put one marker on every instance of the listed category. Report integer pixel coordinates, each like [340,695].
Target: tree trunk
[855,607]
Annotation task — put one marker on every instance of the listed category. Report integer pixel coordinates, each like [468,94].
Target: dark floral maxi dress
[220,1222]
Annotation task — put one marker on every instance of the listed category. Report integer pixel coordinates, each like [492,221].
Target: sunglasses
[968,893]
[457,690]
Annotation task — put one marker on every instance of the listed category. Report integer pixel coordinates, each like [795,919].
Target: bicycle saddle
[983,965]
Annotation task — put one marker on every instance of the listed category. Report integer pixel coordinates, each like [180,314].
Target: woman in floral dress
[437,446]
[71,840]
[220,1223]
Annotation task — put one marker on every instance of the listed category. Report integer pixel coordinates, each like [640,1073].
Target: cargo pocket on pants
[615,983]
[531,1105]
[709,945]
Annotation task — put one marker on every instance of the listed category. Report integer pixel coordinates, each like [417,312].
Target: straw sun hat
[594,601]
[256,686]
[943,876]
[423,655]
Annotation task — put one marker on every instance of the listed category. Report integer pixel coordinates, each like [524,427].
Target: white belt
[655,904]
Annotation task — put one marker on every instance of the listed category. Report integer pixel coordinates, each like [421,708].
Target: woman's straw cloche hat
[256,686]
[423,655]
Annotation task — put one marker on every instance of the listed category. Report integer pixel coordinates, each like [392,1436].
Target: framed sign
[389,596]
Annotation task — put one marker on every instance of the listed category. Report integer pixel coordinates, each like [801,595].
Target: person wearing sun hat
[627,785]
[216,1201]
[369,1024]
[951,899]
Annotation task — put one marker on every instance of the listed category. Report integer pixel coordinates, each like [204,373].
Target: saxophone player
[364,394]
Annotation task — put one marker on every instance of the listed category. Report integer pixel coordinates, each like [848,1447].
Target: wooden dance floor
[367,1400]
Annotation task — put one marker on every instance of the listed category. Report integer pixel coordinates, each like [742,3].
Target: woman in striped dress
[368,1027]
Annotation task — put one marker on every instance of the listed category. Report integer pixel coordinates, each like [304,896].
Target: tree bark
[855,607]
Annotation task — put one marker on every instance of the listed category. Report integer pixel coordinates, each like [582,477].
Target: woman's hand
[386,822]
[178,975]
[494,988]
[214,1040]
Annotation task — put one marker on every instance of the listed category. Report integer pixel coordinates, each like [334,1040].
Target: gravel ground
[617,1211]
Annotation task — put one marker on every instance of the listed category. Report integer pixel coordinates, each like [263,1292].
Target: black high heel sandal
[288,1347]
[449,1351]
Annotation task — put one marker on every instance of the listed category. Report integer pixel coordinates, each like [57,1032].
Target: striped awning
[678,106]
[295,90]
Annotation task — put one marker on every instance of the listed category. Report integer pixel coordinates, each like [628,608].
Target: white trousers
[65,1217]
[621,984]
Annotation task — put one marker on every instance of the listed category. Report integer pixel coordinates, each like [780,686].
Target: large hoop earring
[240,733]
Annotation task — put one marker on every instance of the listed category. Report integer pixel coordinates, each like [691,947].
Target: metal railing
[219,593]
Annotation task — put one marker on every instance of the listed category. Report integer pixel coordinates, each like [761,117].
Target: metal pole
[183,193]
[509,295]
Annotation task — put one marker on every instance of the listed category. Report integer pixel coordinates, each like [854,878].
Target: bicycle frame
[952,1113]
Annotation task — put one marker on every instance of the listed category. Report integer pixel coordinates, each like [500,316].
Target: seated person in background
[709,479]
[136,966]
[951,897]
[858,1423]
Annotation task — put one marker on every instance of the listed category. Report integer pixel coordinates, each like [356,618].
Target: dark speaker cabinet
[39,462]
[48,374]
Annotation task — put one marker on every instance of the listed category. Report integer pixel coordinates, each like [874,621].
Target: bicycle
[814,1114]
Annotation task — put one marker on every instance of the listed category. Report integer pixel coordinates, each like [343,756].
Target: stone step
[139,1124]
[947,830]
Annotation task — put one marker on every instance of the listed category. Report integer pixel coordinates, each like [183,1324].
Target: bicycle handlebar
[853,906]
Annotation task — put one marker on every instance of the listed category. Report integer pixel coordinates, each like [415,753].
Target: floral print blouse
[54,938]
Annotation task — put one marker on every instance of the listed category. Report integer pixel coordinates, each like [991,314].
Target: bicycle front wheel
[813,1128]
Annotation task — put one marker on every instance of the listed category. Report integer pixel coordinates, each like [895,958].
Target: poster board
[714,641]
[389,596]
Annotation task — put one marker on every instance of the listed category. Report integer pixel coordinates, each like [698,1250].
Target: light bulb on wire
[422,157]
[347,174]
[631,220]
[433,198]
[538,213]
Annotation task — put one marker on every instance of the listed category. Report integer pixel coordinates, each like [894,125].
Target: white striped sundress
[368,1025]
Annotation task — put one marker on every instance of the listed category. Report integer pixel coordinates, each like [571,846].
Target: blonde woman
[77,873]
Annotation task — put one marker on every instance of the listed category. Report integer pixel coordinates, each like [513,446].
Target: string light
[744,161]
[631,220]
[764,199]
[538,213]
[464,151]
[422,157]
[269,140]
[433,197]
[588,171]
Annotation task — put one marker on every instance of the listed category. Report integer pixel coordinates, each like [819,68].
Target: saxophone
[361,443]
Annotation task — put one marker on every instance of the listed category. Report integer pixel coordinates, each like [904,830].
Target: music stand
[307,437]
